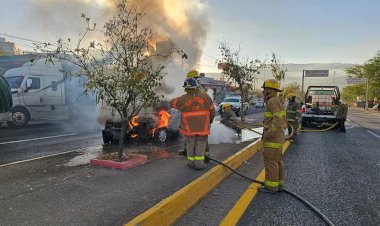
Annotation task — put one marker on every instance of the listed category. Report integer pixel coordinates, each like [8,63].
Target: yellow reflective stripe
[271,183]
[272,145]
[279,114]
[290,120]
[196,158]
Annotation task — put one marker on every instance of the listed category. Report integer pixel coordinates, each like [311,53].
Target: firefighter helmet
[193,74]
[191,84]
[290,95]
[272,83]
[227,105]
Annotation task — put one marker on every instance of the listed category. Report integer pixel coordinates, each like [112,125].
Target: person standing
[273,138]
[195,75]
[196,114]
[341,115]
[292,116]
[229,118]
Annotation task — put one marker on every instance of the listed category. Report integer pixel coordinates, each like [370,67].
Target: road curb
[170,209]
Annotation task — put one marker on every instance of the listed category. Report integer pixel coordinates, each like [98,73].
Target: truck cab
[320,105]
[38,93]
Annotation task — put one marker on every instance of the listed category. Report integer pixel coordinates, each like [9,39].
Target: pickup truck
[320,105]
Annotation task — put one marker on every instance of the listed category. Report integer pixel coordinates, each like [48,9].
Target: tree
[293,88]
[123,70]
[278,69]
[369,70]
[240,70]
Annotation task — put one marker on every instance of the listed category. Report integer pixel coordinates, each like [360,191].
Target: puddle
[85,156]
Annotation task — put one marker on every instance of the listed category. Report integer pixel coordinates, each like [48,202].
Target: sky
[298,31]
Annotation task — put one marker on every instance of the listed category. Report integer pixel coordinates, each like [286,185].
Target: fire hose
[305,202]
[308,204]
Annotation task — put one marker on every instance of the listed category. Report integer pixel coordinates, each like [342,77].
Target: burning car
[158,126]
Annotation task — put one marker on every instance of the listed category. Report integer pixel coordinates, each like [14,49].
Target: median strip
[172,208]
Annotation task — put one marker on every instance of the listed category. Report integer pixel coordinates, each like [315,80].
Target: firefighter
[273,138]
[229,118]
[197,112]
[195,74]
[292,115]
[341,115]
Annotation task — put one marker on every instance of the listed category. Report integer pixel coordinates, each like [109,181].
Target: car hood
[233,104]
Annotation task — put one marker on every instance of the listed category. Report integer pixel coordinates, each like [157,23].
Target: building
[7,48]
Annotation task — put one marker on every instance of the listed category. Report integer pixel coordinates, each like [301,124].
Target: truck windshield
[15,81]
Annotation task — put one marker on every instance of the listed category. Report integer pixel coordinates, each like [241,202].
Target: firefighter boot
[263,189]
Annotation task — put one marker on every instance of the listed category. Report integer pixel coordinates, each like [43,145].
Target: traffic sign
[356,80]
[316,73]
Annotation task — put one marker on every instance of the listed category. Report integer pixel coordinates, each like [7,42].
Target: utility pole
[366,96]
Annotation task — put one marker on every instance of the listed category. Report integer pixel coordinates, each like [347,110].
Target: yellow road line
[241,205]
[172,208]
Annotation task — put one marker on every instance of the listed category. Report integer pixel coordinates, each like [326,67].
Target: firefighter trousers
[274,168]
[196,147]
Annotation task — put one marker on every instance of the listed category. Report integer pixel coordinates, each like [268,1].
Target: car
[235,102]
[260,104]
[376,107]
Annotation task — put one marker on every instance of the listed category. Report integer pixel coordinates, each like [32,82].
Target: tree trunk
[122,137]
[242,103]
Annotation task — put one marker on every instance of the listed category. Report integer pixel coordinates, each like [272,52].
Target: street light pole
[303,79]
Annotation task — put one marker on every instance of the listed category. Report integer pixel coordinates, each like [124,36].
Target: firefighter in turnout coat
[195,74]
[292,116]
[196,114]
[273,138]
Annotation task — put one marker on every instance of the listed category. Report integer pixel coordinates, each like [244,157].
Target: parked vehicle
[43,92]
[235,102]
[260,104]
[320,105]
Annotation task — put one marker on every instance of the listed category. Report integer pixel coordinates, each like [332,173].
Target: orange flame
[163,120]
[133,123]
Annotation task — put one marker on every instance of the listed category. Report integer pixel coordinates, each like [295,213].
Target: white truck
[42,91]
[320,105]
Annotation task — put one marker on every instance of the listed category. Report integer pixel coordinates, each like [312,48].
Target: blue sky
[299,31]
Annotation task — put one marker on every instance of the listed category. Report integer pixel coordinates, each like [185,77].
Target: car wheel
[20,118]
[161,135]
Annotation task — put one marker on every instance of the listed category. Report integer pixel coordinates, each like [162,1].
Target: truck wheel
[161,135]
[20,118]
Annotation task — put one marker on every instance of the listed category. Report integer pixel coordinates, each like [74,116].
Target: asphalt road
[43,139]
[336,172]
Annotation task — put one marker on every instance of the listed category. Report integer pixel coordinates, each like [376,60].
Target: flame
[163,120]
[133,123]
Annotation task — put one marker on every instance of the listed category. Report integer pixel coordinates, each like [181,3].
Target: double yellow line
[172,208]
